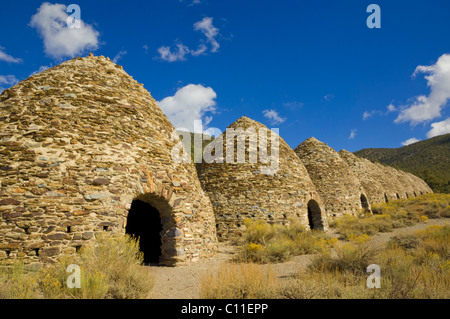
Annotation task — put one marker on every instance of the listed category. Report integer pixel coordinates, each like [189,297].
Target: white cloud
[439,128]
[178,54]
[366,115]
[118,56]
[410,141]
[206,27]
[7,81]
[145,47]
[391,108]
[273,116]
[8,58]
[425,108]
[189,103]
[202,48]
[352,134]
[60,40]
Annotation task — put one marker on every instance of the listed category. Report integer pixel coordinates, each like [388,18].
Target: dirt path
[183,282]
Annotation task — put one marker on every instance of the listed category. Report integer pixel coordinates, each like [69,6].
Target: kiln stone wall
[384,182]
[240,190]
[78,143]
[337,185]
[365,172]
[421,187]
[391,182]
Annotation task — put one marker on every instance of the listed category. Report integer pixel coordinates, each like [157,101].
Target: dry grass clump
[345,257]
[16,283]
[420,270]
[396,214]
[414,265]
[110,268]
[239,281]
[428,205]
[265,243]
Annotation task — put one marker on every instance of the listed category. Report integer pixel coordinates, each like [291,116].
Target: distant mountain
[429,159]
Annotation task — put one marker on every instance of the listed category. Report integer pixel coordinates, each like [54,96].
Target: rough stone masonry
[82,142]
[78,143]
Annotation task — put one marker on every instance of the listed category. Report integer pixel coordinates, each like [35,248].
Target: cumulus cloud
[59,40]
[367,115]
[8,58]
[425,108]
[179,54]
[206,27]
[273,116]
[410,141]
[190,103]
[391,108]
[352,134]
[7,81]
[439,128]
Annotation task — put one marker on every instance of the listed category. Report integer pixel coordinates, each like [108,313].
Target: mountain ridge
[428,159]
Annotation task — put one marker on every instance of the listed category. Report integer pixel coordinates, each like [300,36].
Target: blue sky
[309,68]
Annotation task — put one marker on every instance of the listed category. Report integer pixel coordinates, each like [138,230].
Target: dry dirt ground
[183,282]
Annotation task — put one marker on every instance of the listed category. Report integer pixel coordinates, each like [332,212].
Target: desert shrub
[407,274]
[110,268]
[118,260]
[406,241]
[276,243]
[239,281]
[349,226]
[258,232]
[17,283]
[435,239]
[429,205]
[417,265]
[53,281]
[326,284]
[395,214]
[345,257]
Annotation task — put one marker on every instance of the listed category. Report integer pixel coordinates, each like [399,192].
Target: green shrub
[17,283]
[118,260]
[265,243]
[347,257]
[406,241]
[110,268]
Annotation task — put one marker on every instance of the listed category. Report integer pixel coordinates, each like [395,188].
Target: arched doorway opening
[386,198]
[144,223]
[314,215]
[364,203]
[398,196]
